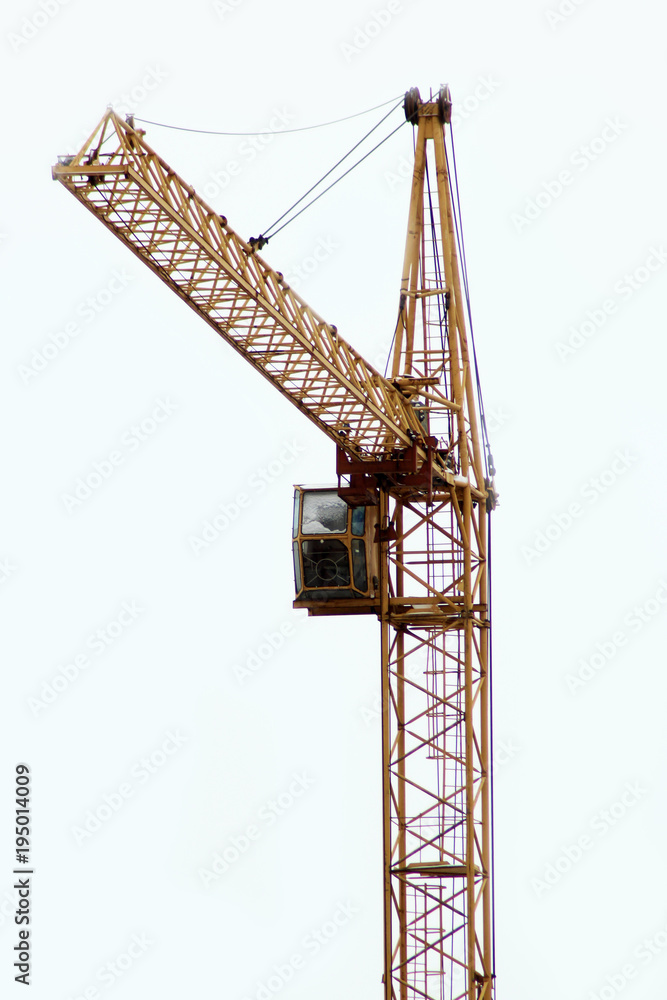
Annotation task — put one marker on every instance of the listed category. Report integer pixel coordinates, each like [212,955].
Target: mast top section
[441,107]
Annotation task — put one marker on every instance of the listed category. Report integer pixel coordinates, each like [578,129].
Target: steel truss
[436,753]
[160,218]
[413,440]
[435,631]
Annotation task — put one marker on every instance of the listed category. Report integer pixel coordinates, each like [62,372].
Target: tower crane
[404,535]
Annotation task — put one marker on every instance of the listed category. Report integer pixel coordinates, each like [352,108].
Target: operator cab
[335,563]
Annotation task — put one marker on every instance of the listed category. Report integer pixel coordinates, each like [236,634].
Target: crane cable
[458,225]
[269,235]
[283,131]
[333,183]
[491,746]
[437,266]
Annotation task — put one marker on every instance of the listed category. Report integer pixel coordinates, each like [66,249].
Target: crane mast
[435,624]
[409,448]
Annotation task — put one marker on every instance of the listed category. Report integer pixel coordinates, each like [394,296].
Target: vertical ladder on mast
[435,625]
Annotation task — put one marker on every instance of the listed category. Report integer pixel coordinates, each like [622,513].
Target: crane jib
[192,249]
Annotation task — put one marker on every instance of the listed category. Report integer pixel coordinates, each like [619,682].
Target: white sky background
[561,423]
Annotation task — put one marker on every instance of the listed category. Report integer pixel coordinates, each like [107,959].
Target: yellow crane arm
[119,178]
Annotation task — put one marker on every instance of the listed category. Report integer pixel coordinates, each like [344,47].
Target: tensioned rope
[267,234]
[333,183]
[458,225]
[324,176]
[490,471]
[283,131]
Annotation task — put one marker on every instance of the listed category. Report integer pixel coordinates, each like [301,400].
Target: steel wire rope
[461,776]
[391,345]
[461,759]
[440,283]
[458,225]
[492,781]
[317,183]
[458,773]
[436,256]
[490,467]
[283,131]
[333,183]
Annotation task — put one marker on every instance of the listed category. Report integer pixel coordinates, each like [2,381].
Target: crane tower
[403,535]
